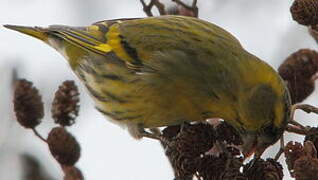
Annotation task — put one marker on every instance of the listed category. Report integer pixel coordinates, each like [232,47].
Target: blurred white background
[265,28]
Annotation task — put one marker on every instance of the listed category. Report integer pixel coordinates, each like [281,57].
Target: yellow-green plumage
[166,70]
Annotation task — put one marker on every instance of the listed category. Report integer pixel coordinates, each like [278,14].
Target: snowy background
[265,28]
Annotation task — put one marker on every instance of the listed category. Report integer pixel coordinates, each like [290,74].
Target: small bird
[167,70]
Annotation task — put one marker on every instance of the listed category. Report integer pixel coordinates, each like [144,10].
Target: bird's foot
[154,134]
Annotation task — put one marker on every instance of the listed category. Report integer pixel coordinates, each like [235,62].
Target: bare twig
[296,130]
[161,7]
[279,153]
[38,135]
[293,122]
[307,108]
[191,10]
[147,8]
[194,8]
[281,149]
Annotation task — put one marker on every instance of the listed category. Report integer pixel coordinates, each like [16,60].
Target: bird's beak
[247,153]
[249,145]
[250,148]
[259,150]
[37,32]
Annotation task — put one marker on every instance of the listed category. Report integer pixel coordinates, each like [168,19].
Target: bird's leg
[281,149]
[155,131]
[220,145]
[228,155]
[183,126]
[258,153]
[154,134]
[146,134]
[143,133]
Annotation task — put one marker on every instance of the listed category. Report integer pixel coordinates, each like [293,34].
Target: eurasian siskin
[159,71]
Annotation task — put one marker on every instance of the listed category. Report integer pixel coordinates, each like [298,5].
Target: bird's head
[266,116]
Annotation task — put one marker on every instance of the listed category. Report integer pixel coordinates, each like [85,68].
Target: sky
[265,28]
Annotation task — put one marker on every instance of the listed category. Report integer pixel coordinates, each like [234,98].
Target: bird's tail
[37,32]
[83,37]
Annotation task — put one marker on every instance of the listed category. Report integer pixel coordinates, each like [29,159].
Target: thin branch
[279,153]
[293,122]
[194,3]
[281,148]
[296,130]
[194,8]
[147,8]
[160,6]
[38,135]
[182,4]
[307,108]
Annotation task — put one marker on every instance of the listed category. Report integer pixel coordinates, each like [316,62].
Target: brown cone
[63,146]
[313,137]
[313,31]
[72,173]
[305,12]
[306,168]
[186,145]
[65,105]
[293,151]
[28,105]
[298,71]
[258,169]
[212,167]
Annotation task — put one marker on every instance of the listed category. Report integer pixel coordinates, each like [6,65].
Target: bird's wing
[92,38]
[136,41]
